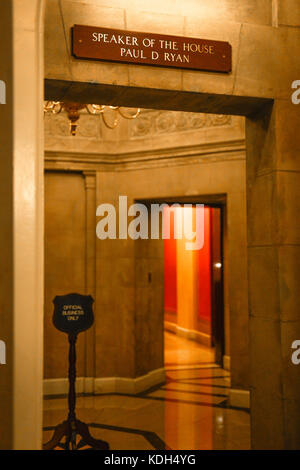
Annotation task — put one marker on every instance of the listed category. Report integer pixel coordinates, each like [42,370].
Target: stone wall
[65,263]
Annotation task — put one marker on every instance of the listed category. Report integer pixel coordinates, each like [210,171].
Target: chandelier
[72,109]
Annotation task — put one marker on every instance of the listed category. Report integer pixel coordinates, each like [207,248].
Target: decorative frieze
[153,123]
[149,123]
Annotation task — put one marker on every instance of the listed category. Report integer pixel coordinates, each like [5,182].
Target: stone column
[273,192]
[21,234]
[90,273]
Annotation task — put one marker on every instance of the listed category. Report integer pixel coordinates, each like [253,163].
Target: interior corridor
[188,412]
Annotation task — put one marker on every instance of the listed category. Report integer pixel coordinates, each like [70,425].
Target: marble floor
[188,412]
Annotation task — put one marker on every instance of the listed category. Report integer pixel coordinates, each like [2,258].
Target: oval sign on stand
[73,313]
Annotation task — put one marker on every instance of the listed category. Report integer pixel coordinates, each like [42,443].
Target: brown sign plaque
[131,47]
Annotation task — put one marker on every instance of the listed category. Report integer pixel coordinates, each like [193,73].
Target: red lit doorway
[193,286]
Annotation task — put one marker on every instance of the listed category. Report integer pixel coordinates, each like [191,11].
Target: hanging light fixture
[72,109]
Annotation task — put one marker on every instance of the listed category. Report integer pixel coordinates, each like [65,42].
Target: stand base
[71,431]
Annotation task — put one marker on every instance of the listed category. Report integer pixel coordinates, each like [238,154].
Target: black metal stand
[72,427]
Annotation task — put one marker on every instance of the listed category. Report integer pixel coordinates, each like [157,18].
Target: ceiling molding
[187,155]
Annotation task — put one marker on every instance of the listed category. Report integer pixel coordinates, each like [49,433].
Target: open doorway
[193,292]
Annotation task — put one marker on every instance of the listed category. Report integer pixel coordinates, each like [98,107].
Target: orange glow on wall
[204,270]
[170,271]
[187,277]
